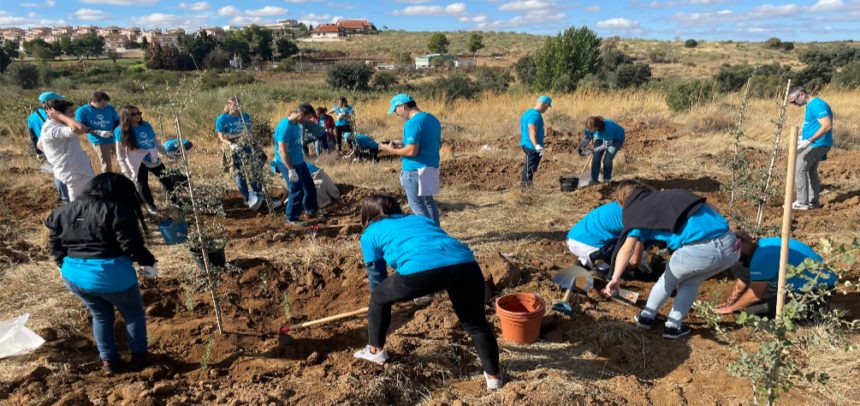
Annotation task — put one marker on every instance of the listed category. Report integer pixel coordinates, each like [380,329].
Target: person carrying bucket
[532,130]
[702,241]
[426,261]
[597,232]
[608,138]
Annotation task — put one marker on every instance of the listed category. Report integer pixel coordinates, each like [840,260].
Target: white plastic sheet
[15,339]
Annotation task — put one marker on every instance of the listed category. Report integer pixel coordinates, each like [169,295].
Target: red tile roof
[354,24]
[324,28]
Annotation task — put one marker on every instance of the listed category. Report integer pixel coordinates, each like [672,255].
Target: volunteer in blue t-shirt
[230,127]
[291,163]
[102,119]
[419,151]
[34,125]
[344,115]
[426,260]
[756,290]
[532,133]
[363,146]
[600,228]
[138,154]
[608,139]
[816,142]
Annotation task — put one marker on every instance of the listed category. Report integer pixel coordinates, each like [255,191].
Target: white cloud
[345,6]
[474,19]
[709,18]
[200,6]
[92,15]
[242,20]
[188,21]
[313,16]
[302,1]
[529,5]
[537,17]
[455,9]
[414,1]
[122,2]
[267,11]
[33,15]
[668,4]
[48,3]
[592,9]
[617,24]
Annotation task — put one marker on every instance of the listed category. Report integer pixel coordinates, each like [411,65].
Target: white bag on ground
[15,339]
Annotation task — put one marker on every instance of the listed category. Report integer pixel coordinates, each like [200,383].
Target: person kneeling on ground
[59,140]
[598,232]
[702,241]
[94,241]
[364,147]
[756,290]
[426,261]
[609,139]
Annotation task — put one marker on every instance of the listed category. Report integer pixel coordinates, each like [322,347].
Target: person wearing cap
[531,126]
[34,125]
[102,119]
[59,141]
[757,287]
[291,163]
[608,138]
[419,151]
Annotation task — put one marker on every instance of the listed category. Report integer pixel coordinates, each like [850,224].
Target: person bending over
[531,140]
[608,138]
[138,153]
[59,141]
[597,232]
[702,241]
[102,119]
[94,241]
[816,142]
[364,147]
[326,143]
[230,126]
[291,163]
[34,125]
[426,260]
[756,289]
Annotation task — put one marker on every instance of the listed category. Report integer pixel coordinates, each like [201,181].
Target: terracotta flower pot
[520,314]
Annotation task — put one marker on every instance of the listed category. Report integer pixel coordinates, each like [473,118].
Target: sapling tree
[767,190]
[254,164]
[775,365]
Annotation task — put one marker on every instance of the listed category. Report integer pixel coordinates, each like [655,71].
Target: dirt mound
[492,174]
[498,271]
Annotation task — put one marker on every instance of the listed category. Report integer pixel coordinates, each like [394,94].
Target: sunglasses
[136,113]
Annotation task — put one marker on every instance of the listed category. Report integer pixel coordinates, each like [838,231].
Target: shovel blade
[562,308]
[566,278]
[625,296]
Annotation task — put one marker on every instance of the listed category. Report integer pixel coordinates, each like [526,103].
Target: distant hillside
[497,43]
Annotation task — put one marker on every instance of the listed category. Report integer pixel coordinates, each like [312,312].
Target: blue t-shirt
[144,134]
[702,225]
[764,264]
[290,134]
[100,275]
[341,110]
[36,121]
[311,168]
[816,109]
[364,141]
[611,132]
[98,119]
[425,130]
[599,226]
[531,116]
[411,244]
[226,123]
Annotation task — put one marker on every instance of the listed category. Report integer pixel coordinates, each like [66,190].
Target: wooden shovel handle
[285,330]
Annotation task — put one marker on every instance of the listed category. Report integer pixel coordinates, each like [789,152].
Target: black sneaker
[674,333]
[644,322]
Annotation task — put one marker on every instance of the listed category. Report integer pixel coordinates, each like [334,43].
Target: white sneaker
[380,358]
[797,206]
[255,201]
[493,384]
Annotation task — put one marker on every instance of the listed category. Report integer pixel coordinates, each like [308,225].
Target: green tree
[90,45]
[438,43]
[384,79]
[691,43]
[849,76]
[198,46]
[218,59]
[5,59]
[112,54]
[402,58]
[437,61]
[259,40]
[632,75]
[573,53]
[286,48]
[350,75]
[773,43]
[526,70]
[144,43]
[236,46]
[11,48]
[303,28]
[32,47]
[475,43]
[24,75]
[65,46]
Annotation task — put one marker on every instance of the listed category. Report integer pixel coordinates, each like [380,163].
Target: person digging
[608,139]
[426,260]
[364,147]
[593,238]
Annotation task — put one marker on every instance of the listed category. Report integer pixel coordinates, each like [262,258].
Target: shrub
[350,75]
[734,78]
[573,54]
[285,65]
[438,43]
[682,96]
[613,58]
[564,84]
[494,80]
[658,56]
[592,82]
[691,43]
[217,59]
[137,69]
[449,63]
[456,86]
[773,43]
[63,84]
[786,46]
[526,70]
[813,55]
[632,75]
[849,76]
[384,79]
[47,75]
[130,86]
[23,75]
[814,76]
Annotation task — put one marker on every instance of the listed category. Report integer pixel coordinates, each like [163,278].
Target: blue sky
[817,20]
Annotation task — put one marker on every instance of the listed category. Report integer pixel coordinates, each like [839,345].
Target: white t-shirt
[63,149]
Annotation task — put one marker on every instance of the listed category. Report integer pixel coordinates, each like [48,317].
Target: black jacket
[90,229]
[663,211]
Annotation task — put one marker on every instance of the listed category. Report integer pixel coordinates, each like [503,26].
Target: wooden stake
[786,221]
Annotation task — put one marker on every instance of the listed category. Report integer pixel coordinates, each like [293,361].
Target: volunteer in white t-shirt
[59,141]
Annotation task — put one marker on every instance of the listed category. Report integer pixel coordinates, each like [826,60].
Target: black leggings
[143,183]
[466,289]
[339,130]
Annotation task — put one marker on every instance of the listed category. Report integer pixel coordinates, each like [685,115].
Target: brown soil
[432,356]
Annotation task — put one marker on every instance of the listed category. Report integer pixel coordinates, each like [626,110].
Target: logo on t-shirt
[101,122]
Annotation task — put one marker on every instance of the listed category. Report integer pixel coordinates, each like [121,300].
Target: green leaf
[849,258]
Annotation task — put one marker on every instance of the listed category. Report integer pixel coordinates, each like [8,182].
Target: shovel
[566,278]
[625,296]
[283,332]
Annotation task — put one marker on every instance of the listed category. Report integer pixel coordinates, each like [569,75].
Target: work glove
[586,152]
[803,145]
[293,175]
[539,149]
[105,134]
[233,147]
[148,272]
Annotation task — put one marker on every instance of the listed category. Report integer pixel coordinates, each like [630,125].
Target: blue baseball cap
[545,99]
[398,100]
[49,96]
[173,145]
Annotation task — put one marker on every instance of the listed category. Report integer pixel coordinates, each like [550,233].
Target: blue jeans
[101,305]
[240,177]
[424,206]
[321,144]
[606,156]
[689,266]
[530,167]
[303,194]
[62,190]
